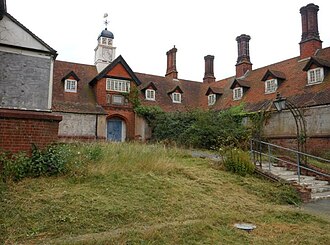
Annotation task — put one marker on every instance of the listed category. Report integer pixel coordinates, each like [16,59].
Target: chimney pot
[310,38]
[171,63]
[209,69]
[243,63]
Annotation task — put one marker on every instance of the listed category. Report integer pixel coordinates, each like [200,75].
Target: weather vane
[106,22]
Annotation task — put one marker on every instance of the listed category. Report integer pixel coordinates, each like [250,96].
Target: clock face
[106,54]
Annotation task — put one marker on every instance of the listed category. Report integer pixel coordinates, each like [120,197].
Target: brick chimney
[171,63]
[310,39]
[243,63]
[3,8]
[209,71]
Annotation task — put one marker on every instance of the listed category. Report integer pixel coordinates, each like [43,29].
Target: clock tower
[104,51]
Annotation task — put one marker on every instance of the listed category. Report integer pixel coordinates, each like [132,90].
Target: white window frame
[118,85]
[118,99]
[315,75]
[211,99]
[70,86]
[237,93]
[150,94]
[271,86]
[176,97]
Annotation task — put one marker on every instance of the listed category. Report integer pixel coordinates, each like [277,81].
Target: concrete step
[320,188]
[294,177]
[320,195]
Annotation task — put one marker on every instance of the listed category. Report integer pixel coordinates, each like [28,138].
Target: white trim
[271,86]
[176,97]
[71,82]
[150,94]
[237,93]
[117,85]
[25,52]
[313,72]
[211,99]
[50,87]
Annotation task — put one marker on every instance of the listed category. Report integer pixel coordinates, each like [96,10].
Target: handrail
[294,151]
[271,157]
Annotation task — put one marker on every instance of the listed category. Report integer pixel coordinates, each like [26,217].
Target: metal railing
[261,150]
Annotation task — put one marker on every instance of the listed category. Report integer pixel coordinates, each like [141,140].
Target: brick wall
[19,129]
[128,115]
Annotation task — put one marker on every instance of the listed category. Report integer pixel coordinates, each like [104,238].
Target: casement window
[237,93]
[117,99]
[270,86]
[150,94]
[315,75]
[211,99]
[118,85]
[176,97]
[70,86]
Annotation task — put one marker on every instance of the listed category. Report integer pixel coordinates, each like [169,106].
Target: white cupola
[104,52]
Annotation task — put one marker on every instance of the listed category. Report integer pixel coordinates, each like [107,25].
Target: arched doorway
[116,129]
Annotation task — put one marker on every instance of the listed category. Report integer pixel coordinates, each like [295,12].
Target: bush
[202,129]
[51,161]
[238,161]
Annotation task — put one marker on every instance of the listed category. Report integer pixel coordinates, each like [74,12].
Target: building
[93,99]
[26,79]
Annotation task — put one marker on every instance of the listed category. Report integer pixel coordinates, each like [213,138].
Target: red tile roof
[81,102]
[294,87]
[291,72]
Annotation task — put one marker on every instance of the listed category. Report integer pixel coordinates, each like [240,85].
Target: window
[237,93]
[108,98]
[315,75]
[104,40]
[270,86]
[176,97]
[118,85]
[150,94]
[211,99]
[70,86]
[118,99]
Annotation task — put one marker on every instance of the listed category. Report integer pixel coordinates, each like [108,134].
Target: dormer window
[118,85]
[150,94]
[315,75]
[70,86]
[270,86]
[211,98]
[237,93]
[176,97]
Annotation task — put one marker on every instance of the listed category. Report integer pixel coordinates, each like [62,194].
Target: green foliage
[51,161]
[133,97]
[149,113]
[202,129]
[94,152]
[238,161]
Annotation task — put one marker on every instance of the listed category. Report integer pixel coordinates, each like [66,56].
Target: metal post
[269,158]
[298,166]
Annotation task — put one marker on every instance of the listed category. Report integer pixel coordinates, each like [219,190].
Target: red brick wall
[128,115]
[314,145]
[19,129]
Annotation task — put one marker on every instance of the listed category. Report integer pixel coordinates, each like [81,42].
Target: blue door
[115,128]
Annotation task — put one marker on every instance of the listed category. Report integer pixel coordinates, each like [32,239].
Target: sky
[144,30]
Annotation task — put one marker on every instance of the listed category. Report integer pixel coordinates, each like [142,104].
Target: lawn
[148,194]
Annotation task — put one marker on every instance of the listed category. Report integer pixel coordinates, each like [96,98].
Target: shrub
[238,161]
[51,161]
[203,129]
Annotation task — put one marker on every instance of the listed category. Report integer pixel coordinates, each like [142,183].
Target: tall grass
[130,193]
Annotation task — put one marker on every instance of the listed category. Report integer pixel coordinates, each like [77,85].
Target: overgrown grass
[149,194]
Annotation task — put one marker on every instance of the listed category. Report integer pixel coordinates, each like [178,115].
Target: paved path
[319,208]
